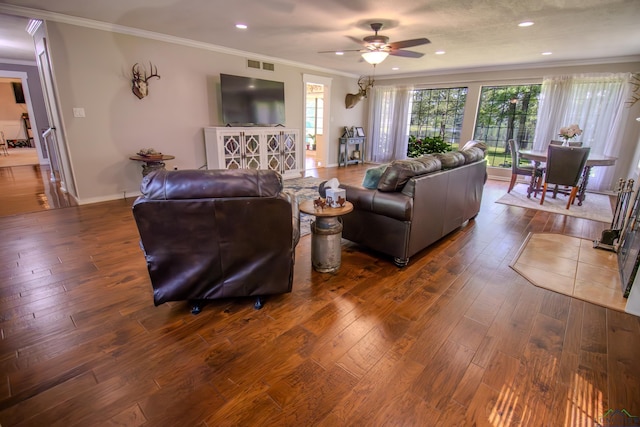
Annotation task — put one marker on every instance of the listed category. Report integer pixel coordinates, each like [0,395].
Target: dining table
[594,159]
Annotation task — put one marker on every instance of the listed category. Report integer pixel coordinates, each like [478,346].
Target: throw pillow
[372,176]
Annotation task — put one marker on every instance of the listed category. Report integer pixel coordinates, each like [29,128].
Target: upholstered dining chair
[571,143]
[517,169]
[564,167]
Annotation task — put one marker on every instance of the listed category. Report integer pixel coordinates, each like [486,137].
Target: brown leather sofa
[417,202]
[209,234]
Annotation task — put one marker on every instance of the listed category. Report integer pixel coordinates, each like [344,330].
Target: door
[58,152]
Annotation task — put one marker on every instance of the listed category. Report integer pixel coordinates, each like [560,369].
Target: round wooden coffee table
[151,163]
[326,235]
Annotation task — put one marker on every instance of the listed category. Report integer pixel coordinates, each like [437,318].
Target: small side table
[351,151]
[326,236]
[151,163]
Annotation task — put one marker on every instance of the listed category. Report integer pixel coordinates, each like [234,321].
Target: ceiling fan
[377,47]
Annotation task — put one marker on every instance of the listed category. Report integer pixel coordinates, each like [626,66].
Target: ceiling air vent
[253,64]
[268,66]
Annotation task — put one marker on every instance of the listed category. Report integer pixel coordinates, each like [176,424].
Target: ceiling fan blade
[409,43]
[356,40]
[344,50]
[406,53]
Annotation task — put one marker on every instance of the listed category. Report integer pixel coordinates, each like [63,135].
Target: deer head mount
[139,81]
[364,83]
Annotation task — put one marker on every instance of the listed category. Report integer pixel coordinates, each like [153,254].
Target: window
[504,113]
[438,112]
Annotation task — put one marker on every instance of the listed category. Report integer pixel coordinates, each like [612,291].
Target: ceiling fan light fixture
[375,57]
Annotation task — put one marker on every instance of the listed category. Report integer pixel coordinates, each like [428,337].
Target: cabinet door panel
[252,151]
[232,150]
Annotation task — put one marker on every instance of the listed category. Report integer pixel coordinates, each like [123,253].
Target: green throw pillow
[372,176]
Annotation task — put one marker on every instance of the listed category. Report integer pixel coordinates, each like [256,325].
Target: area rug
[571,266]
[596,207]
[304,189]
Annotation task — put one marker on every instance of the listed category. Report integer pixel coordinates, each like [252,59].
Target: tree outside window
[504,113]
[436,114]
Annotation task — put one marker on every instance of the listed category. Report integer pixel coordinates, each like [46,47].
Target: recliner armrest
[295,215]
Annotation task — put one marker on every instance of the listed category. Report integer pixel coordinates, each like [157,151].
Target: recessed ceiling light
[241,26]
[339,53]
[440,52]
[547,53]
[395,68]
[525,24]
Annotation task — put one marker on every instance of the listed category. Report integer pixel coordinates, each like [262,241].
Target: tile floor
[571,266]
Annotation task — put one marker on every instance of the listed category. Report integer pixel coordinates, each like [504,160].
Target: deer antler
[154,73]
[635,92]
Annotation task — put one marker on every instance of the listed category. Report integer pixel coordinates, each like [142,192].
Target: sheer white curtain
[596,103]
[389,123]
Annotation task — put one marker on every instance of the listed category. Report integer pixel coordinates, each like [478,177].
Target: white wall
[11,112]
[92,70]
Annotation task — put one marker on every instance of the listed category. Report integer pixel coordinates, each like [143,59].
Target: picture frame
[359,132]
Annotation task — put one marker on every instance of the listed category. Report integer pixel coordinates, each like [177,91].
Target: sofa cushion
[478,144]
[400,171]
[372,176]
[472,154]
[451,159]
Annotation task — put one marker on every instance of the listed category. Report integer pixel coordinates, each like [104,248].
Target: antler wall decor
[140,85]
[635,91]
[364,83]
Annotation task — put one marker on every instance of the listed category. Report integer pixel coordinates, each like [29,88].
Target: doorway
[314,113]
[316,121]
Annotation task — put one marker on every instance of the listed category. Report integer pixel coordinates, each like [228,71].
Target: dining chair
[571,143]
[517,169]
[3,145]
[564,168]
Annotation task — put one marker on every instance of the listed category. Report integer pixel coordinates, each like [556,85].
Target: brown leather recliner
[210,234]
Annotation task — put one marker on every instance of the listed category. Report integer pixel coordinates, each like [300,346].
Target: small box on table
[336,197]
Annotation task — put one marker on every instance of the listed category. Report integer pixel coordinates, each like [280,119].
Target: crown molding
[121,29]
[18,62]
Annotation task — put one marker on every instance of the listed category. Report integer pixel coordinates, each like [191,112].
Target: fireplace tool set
[612,238]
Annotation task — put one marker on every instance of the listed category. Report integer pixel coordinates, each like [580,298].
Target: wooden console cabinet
[274,148]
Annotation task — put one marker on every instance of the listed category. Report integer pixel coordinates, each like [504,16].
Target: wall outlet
[78,112]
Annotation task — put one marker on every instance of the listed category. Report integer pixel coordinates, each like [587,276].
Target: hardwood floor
[27,188]
[456,338]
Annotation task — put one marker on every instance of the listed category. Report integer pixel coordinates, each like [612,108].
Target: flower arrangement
[569,132]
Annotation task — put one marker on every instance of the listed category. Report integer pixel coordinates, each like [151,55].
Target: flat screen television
[248,101]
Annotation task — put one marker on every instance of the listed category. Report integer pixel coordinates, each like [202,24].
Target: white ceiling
[476,34]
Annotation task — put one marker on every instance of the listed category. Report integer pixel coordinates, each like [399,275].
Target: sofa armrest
[392,204]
